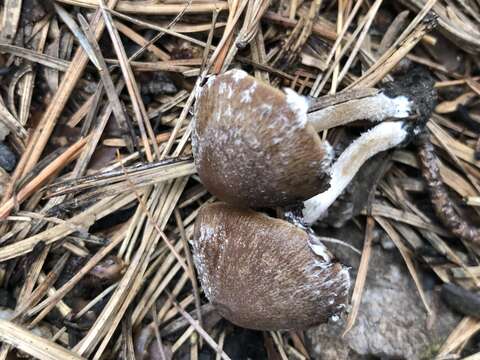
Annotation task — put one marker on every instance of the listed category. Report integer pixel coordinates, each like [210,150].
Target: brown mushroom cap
[260,272]
[253,145]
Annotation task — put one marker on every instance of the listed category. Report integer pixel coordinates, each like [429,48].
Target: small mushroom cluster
[256,146]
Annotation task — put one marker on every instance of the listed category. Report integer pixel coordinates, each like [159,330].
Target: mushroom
[419,84]
[256,146]
[380,138]
[265,273]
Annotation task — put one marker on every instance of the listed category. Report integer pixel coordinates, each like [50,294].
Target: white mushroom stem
[374,108]
[380,138]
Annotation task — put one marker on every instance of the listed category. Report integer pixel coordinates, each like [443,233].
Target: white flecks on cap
[337,282]
[222,88]
[246,95]
[237,74]
[230,92]
[207,235]
[319,248]
[298,104]
[200,89]
[329,155]
[380,138]
[210,80]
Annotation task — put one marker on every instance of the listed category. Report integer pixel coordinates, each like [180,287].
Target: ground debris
[100,191]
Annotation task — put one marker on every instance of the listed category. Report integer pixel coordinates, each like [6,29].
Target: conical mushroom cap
[261,273]
[253,146]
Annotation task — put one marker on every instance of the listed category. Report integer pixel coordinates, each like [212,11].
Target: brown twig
[441,200]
